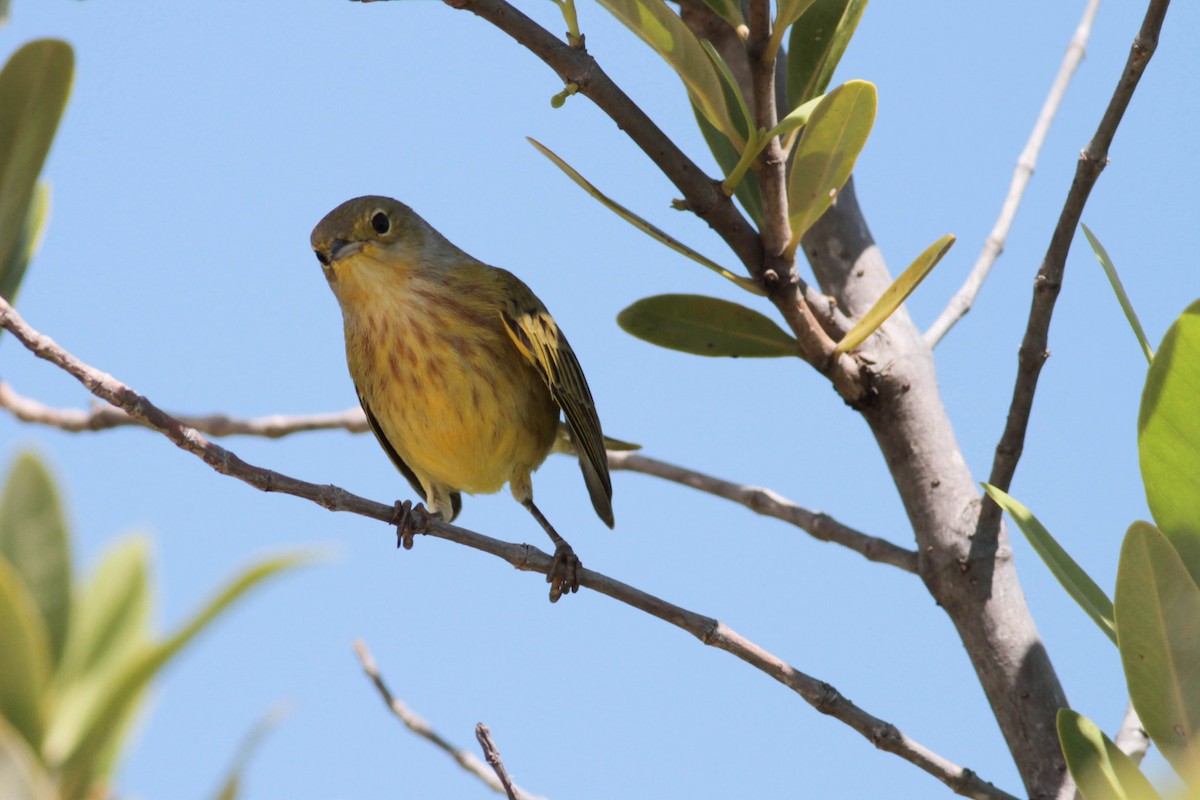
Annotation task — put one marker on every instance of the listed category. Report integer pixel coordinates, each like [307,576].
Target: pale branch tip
[492,754]
[522,556]
[993,246]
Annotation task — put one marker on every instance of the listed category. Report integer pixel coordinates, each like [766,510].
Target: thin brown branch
[416,724]
[1131,738]
[712,632]
[993,246]
[492,754]
[770,167]
[768,503]
[106,417]
[1046,286]
[761,500]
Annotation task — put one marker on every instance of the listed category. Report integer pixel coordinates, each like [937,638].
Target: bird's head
[371,233]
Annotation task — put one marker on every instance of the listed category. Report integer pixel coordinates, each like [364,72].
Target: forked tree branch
[712,632]
[759,499]
[1046,286]
[993,246]
[468,761]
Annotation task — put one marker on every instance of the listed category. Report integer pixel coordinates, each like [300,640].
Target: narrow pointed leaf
[1169,437]
[662,29]
[33,537]
[24,657]
[728,10]
[231,787]
[817,42]
[705,326]
[84,763]
[34,86]
[29,239]
[835,134]
[1079,585]
[22,776]
[1158,630]
[895,294]
[1101,771]
[798,118]
[788,11]
[642,225]
[1119,291]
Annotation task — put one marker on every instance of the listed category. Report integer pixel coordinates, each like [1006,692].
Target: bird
[461,370]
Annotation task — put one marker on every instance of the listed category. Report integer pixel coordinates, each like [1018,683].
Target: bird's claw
[409,520]
[564,572]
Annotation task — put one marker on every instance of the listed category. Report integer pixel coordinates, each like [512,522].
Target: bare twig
[492,754]
[820,695]
[758,499]
[1132,739]
[960,304]
[1046,286]
[768,503]
[106,417]
[421,728]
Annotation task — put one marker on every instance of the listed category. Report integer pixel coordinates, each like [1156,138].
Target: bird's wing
[405,469]
[539,340]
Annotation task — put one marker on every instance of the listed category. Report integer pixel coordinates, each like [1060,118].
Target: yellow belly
[451,392]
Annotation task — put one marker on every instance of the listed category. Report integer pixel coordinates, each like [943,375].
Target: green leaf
[662,29]
[816,45]
[705,326]
[1079,585]
[835,134]
[1169,437]
[231,787]
[728,10]
[798,118]
[24,657]
[745,190]
[1158,630]
[28,241]
[21,774]
[84,764]
[1101,771]
[1119,291]
[895,294]
[787,12]
[641,224]
[34,86]
[33,537]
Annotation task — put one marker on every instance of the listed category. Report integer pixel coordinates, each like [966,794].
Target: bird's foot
[409,520]
[564,572]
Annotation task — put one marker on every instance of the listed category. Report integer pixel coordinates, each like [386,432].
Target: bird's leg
[564,569]
[409,520]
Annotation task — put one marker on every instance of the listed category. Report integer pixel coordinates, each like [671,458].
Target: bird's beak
[340,248]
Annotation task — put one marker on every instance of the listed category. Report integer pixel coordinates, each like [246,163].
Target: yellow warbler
[459,367]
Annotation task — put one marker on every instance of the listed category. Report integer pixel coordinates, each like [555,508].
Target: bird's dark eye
[380,222]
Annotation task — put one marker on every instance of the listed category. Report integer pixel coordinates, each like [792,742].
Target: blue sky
[202,143]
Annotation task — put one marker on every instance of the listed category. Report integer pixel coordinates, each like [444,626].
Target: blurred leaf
[643,225]
[835,134]
[662,29]
[746,190]
[27,243]
[1101,771]
[816,45]
[563,443]
[787,12]
[24,657]
[112,611]
[705,326]
[83,765]
[33,537]
[728,10]
[1119,291]
[1079,585]
[231,787]
[21,774]
[895,294]
[1169,437]
[34,86]
[1158,630]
